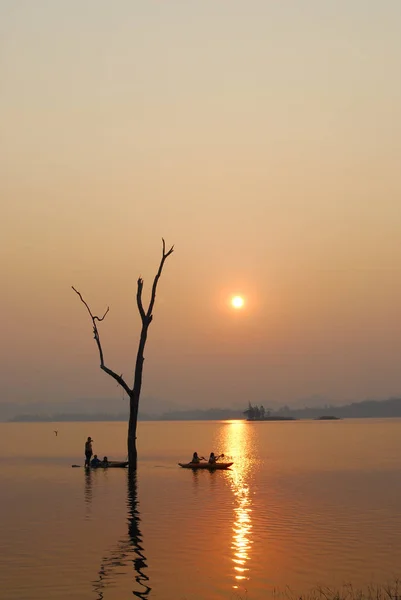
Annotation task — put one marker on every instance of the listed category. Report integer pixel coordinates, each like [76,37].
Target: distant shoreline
[367,409]
[168,420]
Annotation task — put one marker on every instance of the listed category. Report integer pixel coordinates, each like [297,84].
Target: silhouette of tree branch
[96,336]
[165,255]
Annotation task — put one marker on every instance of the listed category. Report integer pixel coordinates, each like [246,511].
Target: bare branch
[157,277]
[101,318]
[164,249]
[118,378]
[139,299]
[94,318]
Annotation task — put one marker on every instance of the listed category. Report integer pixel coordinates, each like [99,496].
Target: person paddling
[88,451]
[213,458]
[196,459]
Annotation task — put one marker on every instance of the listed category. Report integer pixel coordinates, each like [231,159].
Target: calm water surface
[305,504]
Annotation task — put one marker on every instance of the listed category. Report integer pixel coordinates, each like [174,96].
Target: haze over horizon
[262,139]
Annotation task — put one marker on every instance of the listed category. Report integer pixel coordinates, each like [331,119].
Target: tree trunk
[131,441]
[135,395]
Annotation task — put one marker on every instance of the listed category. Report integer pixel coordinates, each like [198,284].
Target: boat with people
[112,464]
[211,464]
[96,463]
[206,465]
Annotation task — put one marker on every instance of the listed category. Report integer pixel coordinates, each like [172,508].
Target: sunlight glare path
[235,443]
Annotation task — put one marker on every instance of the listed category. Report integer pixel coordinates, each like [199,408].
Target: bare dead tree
[133,392]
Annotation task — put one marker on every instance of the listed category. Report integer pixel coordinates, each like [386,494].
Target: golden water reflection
[237,444]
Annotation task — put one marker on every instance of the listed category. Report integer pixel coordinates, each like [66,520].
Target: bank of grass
[391,591]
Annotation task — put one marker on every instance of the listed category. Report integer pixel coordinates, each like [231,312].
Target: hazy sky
[262,138]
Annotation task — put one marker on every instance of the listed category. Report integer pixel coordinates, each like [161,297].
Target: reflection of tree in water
[128,550]
[88,492]
[88,486]
[135,536]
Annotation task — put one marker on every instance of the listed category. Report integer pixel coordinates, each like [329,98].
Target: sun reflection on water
[236,442]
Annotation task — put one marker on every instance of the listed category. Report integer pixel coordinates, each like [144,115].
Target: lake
[306,504]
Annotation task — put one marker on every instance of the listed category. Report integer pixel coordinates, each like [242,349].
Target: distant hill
[356,410]
[83,409]
[59,417]
[214,414]
[367,409]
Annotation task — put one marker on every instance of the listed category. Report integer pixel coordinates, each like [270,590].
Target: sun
[237,302]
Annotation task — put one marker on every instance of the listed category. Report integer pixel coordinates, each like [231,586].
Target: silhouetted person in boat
[213,458]
[105,462]
[95,462]
[88,452]
[196,459]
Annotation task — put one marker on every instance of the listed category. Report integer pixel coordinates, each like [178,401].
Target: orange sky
[260,138]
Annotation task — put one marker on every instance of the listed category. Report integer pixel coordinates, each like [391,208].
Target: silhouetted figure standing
[88,452]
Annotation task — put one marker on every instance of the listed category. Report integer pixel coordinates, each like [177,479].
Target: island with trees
[259,413]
